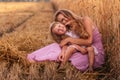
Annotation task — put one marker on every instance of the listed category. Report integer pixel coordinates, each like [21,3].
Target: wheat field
[24,29]
[106,15]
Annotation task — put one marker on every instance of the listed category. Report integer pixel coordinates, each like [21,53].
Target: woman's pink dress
[78,60]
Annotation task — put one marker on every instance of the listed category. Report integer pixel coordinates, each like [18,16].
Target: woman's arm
[88,26]
[86,42]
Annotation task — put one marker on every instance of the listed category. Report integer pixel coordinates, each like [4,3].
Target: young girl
[59,32]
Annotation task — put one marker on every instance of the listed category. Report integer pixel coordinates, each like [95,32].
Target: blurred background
[23,0]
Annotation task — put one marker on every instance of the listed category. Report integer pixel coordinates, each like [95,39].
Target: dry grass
[106,14]
[30,32]
[19,7]
[14,14]
[31,35]
[27,37]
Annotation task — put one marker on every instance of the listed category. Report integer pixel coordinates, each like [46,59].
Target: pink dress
[52,51]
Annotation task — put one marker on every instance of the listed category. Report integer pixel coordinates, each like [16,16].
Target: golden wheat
[106,15]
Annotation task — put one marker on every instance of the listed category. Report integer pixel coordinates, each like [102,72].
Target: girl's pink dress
[78,60]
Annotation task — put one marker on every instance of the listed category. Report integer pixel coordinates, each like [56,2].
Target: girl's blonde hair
[76,22]
[56,37]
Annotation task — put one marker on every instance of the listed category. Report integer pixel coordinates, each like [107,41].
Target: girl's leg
[68,53]
[91,56]
[71,49]
[81,49]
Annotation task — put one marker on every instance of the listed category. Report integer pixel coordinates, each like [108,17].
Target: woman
[80,26]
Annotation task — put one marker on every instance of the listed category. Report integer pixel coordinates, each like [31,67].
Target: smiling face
[63,19]
[59,29]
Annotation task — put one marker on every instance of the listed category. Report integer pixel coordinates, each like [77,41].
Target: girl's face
[59,29]
[64,20]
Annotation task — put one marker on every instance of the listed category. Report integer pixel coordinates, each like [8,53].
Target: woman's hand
[65,41]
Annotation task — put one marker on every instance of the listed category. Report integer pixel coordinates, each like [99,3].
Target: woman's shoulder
[86,19]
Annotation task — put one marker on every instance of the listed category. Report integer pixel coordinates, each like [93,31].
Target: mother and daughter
[77,40]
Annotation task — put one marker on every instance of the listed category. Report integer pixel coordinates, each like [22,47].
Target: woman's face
[59,29]
[64,20]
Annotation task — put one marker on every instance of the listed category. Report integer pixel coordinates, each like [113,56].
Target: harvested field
[24,29]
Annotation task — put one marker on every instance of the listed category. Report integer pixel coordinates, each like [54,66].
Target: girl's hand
[65,41]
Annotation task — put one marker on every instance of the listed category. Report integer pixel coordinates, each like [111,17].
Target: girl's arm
[86,42]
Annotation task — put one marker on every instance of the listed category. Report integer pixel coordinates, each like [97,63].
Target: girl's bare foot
[90,69]
[81,49]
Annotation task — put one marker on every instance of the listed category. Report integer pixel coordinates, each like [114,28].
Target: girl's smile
[59,29]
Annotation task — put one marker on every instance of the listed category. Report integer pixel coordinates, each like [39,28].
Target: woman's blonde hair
[56,37]
[76,22]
